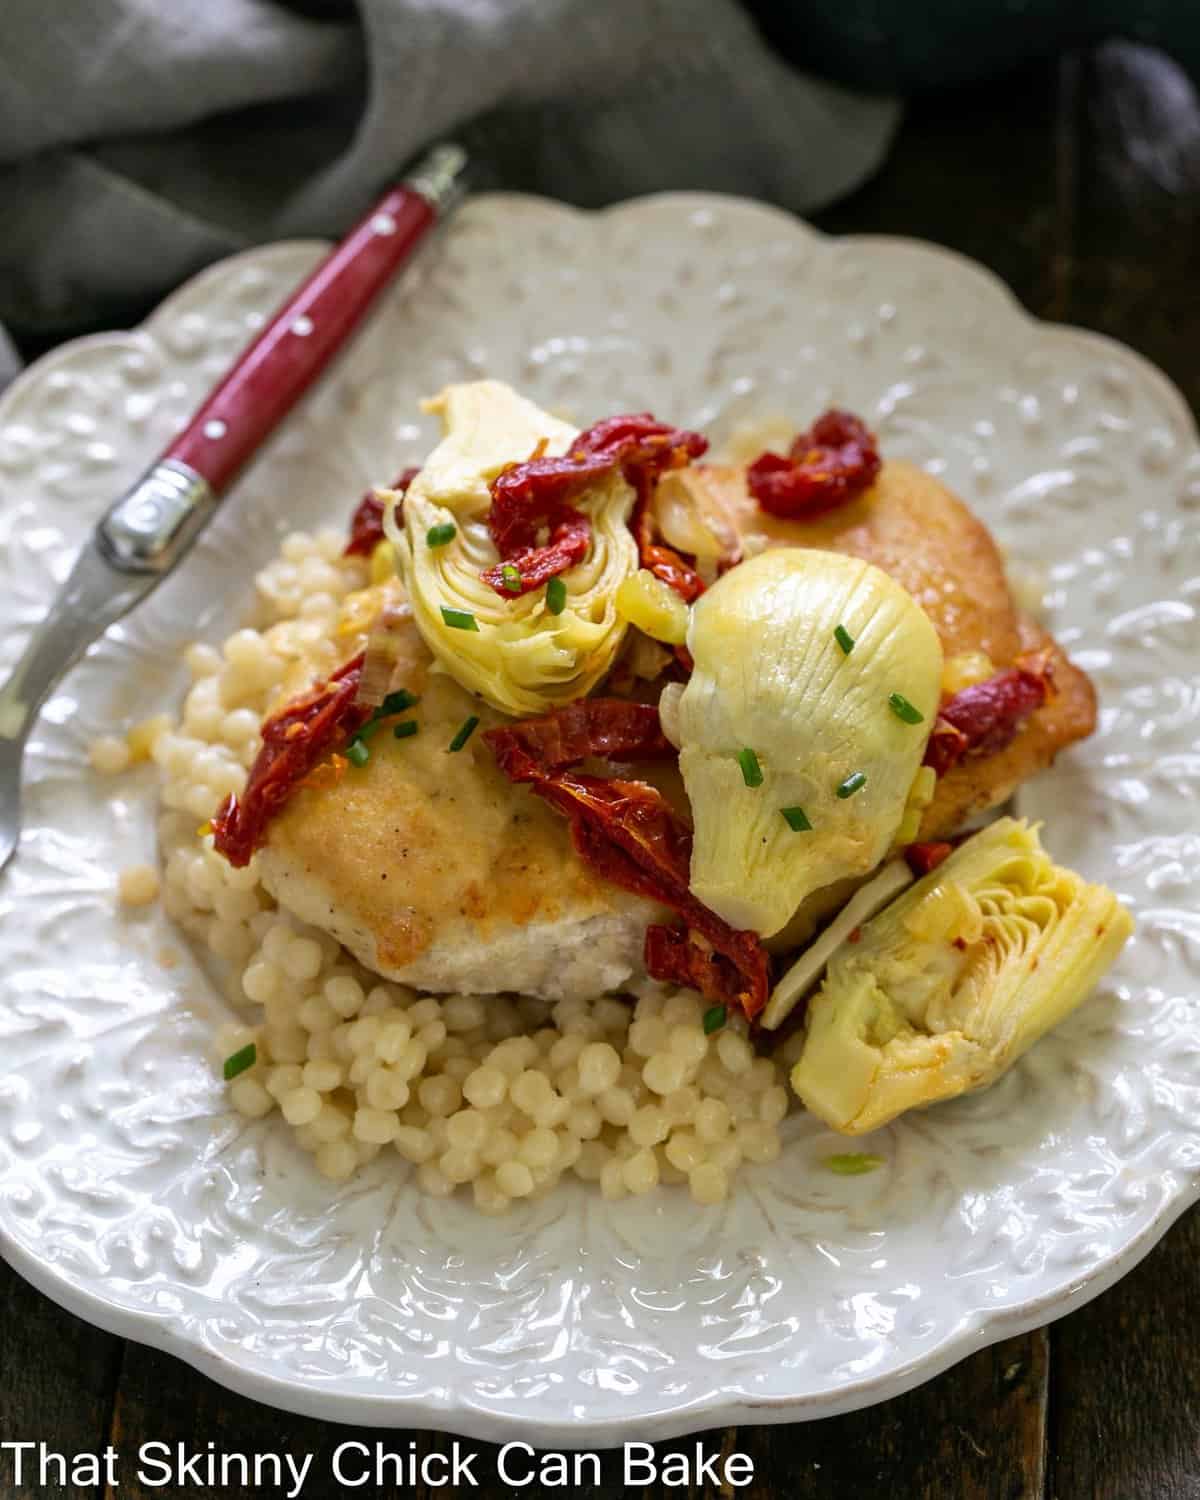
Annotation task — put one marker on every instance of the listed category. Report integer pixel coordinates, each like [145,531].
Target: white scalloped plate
[131,1195]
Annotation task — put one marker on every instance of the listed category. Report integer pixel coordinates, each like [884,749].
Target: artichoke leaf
[806,969]
[520,658]
[771,675]
[954,980]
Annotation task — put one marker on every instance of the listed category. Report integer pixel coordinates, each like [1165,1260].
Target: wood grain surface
[1079,184]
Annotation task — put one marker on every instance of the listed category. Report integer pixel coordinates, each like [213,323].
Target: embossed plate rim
[392,1411]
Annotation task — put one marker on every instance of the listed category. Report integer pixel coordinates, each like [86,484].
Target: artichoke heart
[799,656]
[953,981]
[520,658]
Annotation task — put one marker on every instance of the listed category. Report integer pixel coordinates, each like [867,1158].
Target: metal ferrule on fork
[150,528]
[139,539]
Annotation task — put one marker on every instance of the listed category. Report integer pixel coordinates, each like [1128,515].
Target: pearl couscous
[502,1095]
[138,885]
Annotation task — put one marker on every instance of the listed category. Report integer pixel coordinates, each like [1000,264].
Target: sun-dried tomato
[628,833]
[633,817]
[568,532]
[608,728]
[295,741]
[674,955]
[672,567]
[534,527]
[366,527]
[831,463]
[985,717]
[644,447]
[946,747]
[366,524]
[922,858]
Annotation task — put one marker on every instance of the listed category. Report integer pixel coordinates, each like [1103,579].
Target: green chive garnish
[512,578]
[853,783]
[438,536]
[844,639]
[714,1019]
[405,730]
[357,753]
[556,596]
[459,619]
[396,703]
[853,1163]
[369,728]
[751,770]
[244,1058]
[903,709]
[466,730]
[796,819]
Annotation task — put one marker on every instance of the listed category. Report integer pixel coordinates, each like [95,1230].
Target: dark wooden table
[1079,183]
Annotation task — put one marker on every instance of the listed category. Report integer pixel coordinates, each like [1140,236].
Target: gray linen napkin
[141,139]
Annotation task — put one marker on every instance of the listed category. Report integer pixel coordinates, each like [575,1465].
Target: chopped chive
[459,619]
[406,729]
[396,703]
[369,728]
[903,709]
[853,1163]
[796,819]
[556,596]
[466,730]
[239,1061]
[751,770]
[357,753]
[844,639]
[438,536]
[714,1019]
[853,783]
[511,576]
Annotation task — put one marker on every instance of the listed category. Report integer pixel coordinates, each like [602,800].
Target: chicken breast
[976,784]
[906,523]
[921,534]
[434,870]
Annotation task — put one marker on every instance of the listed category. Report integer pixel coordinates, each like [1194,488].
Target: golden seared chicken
[434,870]
[922,536]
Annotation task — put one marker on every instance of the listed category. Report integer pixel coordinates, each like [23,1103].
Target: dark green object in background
[905,46]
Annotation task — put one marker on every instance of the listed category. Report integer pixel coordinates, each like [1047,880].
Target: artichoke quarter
[954,980]
[515,653]
[829,673]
